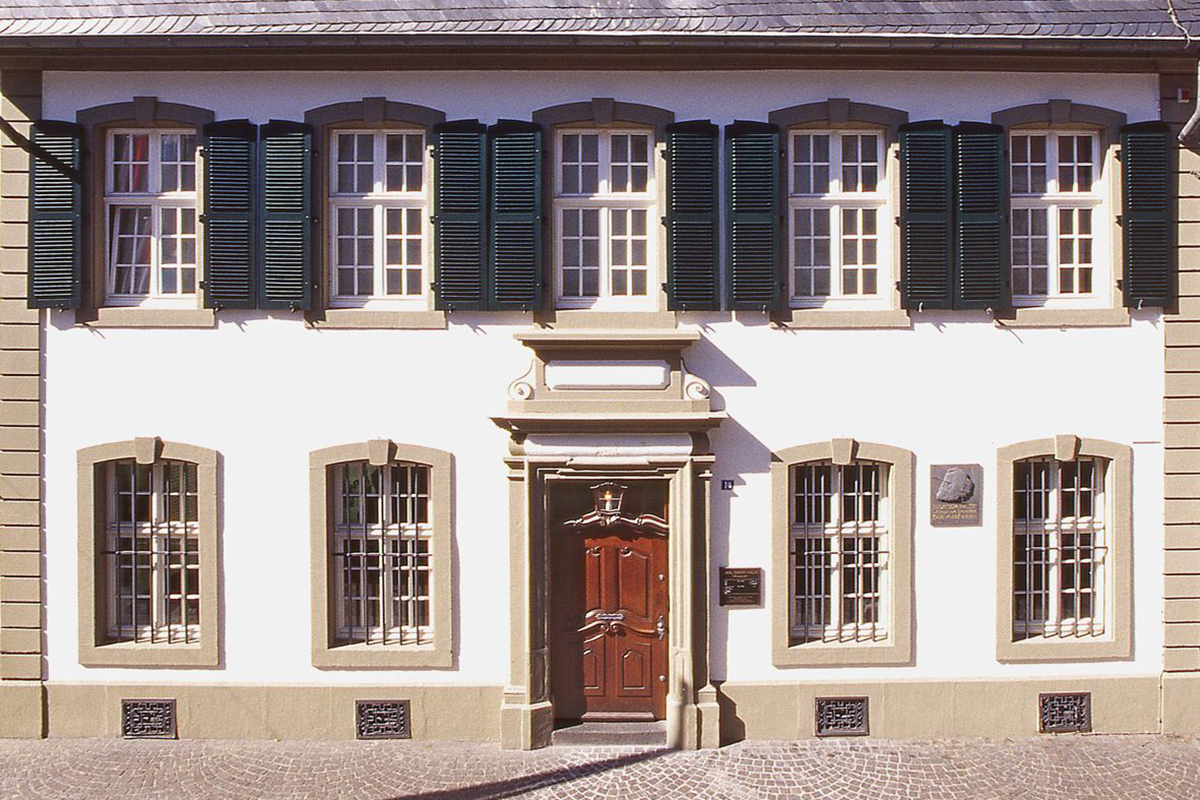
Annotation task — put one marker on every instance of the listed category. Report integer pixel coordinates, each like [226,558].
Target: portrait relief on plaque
[955,495]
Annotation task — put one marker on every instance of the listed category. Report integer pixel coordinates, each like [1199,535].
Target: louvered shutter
[460,211]
[285,216]
[926,248]
[515,242]
[692,243]
[55,212]
[752,201]
[229,214]
[1147,214]
[980,217]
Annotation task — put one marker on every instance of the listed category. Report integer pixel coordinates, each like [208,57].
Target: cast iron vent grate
[842,716]
[148,719]
[1065,713]
[382,719]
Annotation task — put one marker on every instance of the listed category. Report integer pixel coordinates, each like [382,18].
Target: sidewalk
[1066,768]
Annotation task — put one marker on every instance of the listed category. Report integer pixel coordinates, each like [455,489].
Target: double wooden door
[609,622]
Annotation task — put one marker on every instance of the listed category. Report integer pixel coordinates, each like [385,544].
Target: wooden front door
[609,620]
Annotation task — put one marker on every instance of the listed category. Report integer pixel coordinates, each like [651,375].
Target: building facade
[769,392]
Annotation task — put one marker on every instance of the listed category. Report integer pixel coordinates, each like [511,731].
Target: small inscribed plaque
[741,586]
[954,495]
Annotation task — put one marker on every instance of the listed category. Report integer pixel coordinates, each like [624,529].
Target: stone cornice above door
[616,381]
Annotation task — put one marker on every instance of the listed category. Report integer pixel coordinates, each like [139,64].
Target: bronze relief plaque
[955,495]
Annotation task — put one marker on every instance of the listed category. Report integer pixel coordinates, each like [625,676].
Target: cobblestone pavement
[1066,768]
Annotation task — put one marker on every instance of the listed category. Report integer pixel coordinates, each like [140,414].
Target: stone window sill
[844,318]
[352,656]
[134,317]
[136,654]
[842,655]
[1042,650]
[1065,318]
[361,318]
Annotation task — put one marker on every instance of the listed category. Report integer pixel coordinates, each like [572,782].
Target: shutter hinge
[664,221]
[1120,219]
[203,218]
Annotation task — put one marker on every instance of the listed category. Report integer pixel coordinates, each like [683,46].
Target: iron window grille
[1056,199]
[837,215]
[153,552]
[839,552]
[150,212]
[604,212]
[1059,549]
[378,207]
[383,554]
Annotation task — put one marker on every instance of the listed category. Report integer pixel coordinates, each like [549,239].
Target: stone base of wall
[465,713]
[928,709]
[909,709]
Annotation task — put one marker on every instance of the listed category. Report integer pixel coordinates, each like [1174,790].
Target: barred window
[1056,202]
[1059,547]
[153,552]
[383,551]
[378,208]
[839,552]
[837,199]
[150,206]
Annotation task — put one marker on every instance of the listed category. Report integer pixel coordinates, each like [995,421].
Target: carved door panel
[608,626]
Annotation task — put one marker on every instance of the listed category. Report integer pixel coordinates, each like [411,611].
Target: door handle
[660,627]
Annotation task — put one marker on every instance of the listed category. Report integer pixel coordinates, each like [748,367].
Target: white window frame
[158,630]
[834,531]
[385,531]
[1052,200]
[157,201]
[379,200]
[836,200]
[606,200]
[1053,526]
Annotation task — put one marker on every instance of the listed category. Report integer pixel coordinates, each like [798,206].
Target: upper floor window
[383,538]
[836,203]
[150,207]
[378,211]
[839,552]
[1055,203]
[1059,547]
[604,205]
[153,547]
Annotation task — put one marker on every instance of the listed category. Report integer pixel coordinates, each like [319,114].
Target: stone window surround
[1062,115]
[93,650]
[602,112]
[141,112]
[898,649]
[834,114]
[370,112]
[377,452]
[1118,642]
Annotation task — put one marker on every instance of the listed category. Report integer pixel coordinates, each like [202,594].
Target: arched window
[148,551]
[842,571]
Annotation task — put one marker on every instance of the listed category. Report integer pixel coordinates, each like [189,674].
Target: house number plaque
[954,495]
[741,586]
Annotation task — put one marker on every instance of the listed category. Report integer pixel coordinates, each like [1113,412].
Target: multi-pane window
[1055,206]
[378,209]
[604,206]
[836,202]
[150,212]
[839,552]
[152,550]
[1059,547]
[383,550]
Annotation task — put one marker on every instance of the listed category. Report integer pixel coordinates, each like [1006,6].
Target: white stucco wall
[264,391]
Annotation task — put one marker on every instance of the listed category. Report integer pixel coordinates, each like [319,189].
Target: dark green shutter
[692,244]
[1147,214]
[55,216]
[752,201]
[926,248]
[459,217]
[285,216]
[229,214]
[980,217]
[515,242]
